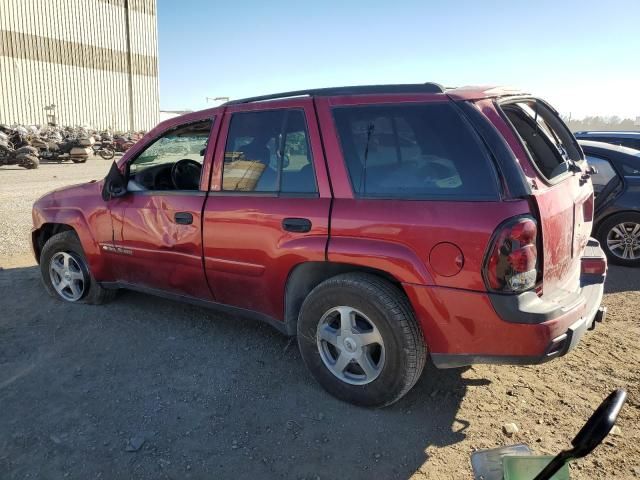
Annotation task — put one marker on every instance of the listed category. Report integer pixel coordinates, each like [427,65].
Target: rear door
[268,207]
[562,190]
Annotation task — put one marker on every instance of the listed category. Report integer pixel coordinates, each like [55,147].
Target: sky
[581,56]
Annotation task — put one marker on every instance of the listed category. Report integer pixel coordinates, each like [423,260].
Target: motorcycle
[69,149]
[122,144]
[25,156]
[105,149]
[516,462]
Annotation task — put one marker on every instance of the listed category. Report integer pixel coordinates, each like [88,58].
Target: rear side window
[268,151]
[414,151]
[605,172]
[630,142]
[548,141]
[632,170]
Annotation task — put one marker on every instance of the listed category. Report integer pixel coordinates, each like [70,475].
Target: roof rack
[355,90]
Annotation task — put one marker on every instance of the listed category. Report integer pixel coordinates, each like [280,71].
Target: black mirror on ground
[115,183]
[599,424]
[590,435]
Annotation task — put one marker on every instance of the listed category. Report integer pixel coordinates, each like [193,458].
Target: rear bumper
[463,327]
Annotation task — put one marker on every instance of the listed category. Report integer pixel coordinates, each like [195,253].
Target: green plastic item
[518,467]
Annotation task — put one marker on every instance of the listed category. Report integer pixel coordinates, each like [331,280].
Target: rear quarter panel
[397,236]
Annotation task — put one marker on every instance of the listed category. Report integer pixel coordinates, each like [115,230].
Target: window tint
[152,169]
[548,141]
[631,169]
[629,142]
[268,151]
[605,172]
[413,151]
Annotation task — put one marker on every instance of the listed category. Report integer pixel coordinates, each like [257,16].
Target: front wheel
[106,153]
[359,338]
[619,236]
[65,271]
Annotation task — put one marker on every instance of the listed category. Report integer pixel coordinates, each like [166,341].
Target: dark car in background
[624,139]
[616,188]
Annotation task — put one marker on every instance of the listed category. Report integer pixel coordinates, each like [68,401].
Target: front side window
[605,174]
[173,162]
[413,151]
[268,151]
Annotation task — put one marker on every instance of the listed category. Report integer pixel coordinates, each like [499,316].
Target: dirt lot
[147,388]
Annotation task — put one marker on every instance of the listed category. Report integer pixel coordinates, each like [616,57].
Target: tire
[612,232]
[29,162]
[79,160]
[67,244]
[107,153]
[381,311]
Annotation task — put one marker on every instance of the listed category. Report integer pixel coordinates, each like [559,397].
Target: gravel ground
[19,188]
[147,388]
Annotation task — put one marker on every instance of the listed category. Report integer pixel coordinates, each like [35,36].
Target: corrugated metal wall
[76,54]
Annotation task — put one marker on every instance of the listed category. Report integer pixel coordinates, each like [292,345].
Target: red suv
[379,224]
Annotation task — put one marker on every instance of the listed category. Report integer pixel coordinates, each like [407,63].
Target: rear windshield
[548,141]
[413,151]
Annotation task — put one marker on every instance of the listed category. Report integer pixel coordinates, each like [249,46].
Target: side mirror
[599,424]
[590,435]
[116,188]
[115,183]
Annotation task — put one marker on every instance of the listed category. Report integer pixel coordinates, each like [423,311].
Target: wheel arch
[304,277]
[47,230]
[602,220]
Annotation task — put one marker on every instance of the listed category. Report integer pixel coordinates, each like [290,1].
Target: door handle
[297,225]
[183,218]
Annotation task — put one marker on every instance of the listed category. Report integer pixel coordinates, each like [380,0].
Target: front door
[160,243]
[268,208]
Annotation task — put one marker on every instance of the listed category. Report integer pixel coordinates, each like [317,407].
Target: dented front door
[160,246]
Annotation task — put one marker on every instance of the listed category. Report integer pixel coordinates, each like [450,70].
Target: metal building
[82,62]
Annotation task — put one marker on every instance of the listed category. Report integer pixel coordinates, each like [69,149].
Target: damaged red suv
[380,224]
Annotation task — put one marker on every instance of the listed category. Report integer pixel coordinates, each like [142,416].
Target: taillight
[512,262]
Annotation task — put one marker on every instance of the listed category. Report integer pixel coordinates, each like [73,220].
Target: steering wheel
[185,174]
[437,171]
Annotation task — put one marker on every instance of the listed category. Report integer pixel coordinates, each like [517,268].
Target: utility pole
[129,69]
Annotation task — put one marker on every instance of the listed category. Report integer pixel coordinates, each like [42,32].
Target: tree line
[602,123]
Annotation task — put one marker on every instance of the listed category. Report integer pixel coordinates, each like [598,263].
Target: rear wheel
[359,338]
[65,271]
[107,153]
[619,236]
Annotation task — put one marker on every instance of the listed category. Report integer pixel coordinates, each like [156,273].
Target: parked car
[617,204]
[379,224]
[624,139]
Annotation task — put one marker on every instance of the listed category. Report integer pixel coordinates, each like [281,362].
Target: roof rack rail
[355,90]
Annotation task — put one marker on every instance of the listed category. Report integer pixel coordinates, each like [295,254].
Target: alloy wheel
[350,345]
[67,276]
[623,240]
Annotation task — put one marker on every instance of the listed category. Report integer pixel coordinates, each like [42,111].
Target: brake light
[512,262]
